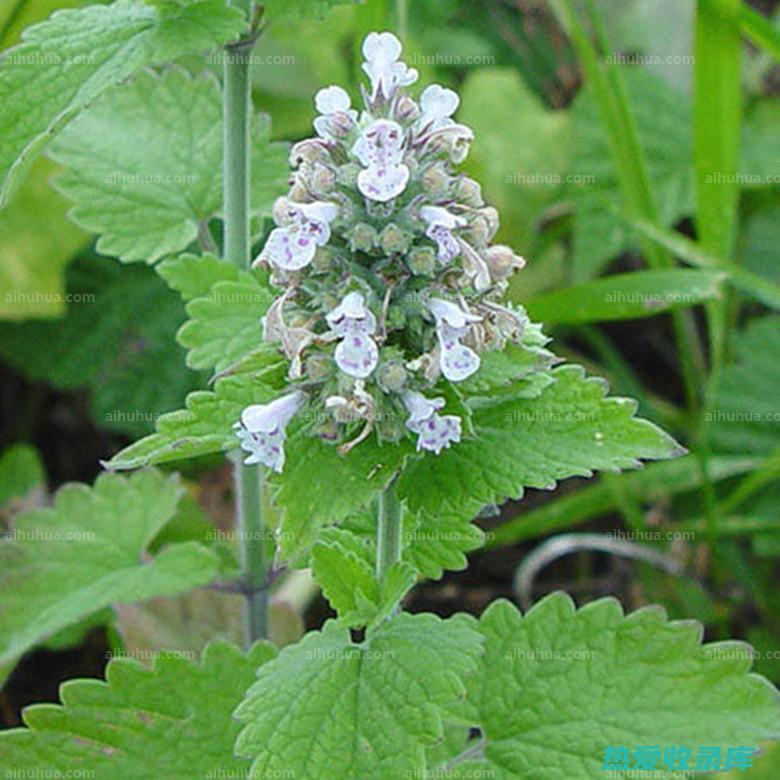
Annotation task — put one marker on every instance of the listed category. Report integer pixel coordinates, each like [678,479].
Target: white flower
[293,247]
[438,104]
[262,429]
[435,431]
[381,149]
[456,360]
[357,353]
[387,74]
[440,226]
[333,103]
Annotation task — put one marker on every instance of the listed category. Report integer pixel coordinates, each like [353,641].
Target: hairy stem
[249,481]
[389,531]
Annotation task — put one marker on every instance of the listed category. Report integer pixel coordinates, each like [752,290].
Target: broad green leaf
[144,167]
[38,242]
[571,429]
[653,483]
[760,240]
[226,324]
[744,414]
[760,147]
[328,707]
[559,685]
[88,551]
[194,275]
[117,340]
[21,472]
[172,721]
[765,767]
[66,62]
[626,296]
[520,179]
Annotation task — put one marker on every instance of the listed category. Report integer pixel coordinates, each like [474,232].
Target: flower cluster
[389,284]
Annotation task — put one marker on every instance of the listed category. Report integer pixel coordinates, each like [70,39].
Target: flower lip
[332,99]
[419,407]
[266,418]
[439,216]
[438,104]
[352,306]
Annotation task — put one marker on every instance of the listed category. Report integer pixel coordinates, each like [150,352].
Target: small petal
[261,430]
[420,408]
[383,184]
[380,144]
[438,101]
[357,355]
[287,249]
[436,215]
[332,99]
[440,226]
[459,362]
[381,47]
[450,313]
[435,431]
[352,316]
[382,51]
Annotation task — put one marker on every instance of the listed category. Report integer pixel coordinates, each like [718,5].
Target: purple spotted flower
[380,149]
[456,360]
[441,223]
[437,104]
[357,353]
[262,429]
[292,246]
[382,66]
[336,113]
[436,432]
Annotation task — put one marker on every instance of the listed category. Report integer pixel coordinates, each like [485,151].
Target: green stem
[389,532]
[403,18]
[249,482]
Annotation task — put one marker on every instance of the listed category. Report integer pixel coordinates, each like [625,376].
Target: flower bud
[323,179]
[318,367]
[422,261]
[469,192]
[364,238]
[435,180]
[281,212]
[394,240]
[502,261]
[407,109]
[347,175]
[391,376]
[310,150]
[490,215]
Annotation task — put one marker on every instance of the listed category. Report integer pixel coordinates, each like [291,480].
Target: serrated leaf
[300,9]
[144,166]
[205,426]
[328,707]
[571,429]
[88,551]
[744,412]
[117,339]
[66,62]
[226,324]
[173,721]
[559,685]
[194,275]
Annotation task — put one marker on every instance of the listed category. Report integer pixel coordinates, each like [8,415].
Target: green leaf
[38,242]
[117,339]
[300,9]
[21,472]
[760,147]
[204,427]
[766,766]
[744,413]
[690,252]
[144,167]
[519,179]
[62,564]
[328,707]
[571,429]
[193,276]
[77,54]
[759,30]
[172,721]
[626,296]
[226,325]
[560,685]
[759,243]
